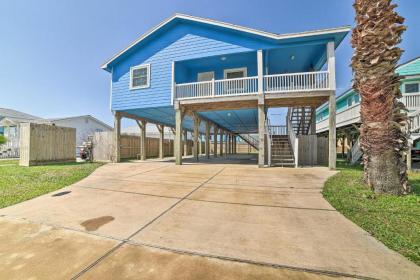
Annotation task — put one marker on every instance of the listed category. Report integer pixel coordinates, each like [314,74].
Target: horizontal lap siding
[412,68]
[179,43]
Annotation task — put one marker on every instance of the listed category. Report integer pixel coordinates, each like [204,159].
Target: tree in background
[3,139]
[384,129]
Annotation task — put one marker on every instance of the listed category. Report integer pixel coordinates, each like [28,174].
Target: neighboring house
[348,103]
[85,126]
[212,77]
[10,121]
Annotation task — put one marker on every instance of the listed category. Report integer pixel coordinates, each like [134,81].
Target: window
[238,86]
[356,98]
[235,73]
[205,76]
[140,76]
[412,88]
[350,101]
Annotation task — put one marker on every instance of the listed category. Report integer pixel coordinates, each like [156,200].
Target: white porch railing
[411,101]
[414,118]
[291,82]
[247,85]
[343,118]
[278,129]
[227,87]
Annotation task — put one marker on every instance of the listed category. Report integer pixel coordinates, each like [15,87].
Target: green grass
[18,183]
[393,220]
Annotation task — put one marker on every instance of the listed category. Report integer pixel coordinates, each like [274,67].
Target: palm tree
[383,133]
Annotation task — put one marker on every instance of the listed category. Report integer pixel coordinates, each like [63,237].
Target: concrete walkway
[213,220]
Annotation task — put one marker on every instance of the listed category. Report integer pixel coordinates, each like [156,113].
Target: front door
[238,85]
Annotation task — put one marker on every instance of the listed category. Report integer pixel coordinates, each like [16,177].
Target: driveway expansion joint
[247,261]
[97,261]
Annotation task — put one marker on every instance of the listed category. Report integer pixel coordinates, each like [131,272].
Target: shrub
[3,139]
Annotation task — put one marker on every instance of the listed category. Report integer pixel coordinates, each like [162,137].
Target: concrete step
[273,159]
[283,164]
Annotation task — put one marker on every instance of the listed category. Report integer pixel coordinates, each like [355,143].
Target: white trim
[409,77]
[173,85]
[231,26]
[232,70]
[208,72]
[147,66]
[110,92]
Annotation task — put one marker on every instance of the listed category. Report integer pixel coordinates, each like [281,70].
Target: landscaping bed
[19,183]
[393,220]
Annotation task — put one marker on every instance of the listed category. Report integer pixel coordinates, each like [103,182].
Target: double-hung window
[140,76]
[411,88]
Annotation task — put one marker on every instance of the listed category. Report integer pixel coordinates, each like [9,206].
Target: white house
[10,121]
[85,126]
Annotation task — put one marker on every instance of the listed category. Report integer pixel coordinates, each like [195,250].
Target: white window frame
[412,83]
[147,66]
[203,73]
[243,69]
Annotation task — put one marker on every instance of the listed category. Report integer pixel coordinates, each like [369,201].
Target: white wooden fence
[11,148]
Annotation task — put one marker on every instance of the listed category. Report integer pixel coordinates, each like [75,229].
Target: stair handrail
[269,135]
[414,121]
[250,140]
[356,152]
[292,136]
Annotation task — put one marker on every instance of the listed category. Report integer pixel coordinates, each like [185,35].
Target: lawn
[393,220]
[19,183]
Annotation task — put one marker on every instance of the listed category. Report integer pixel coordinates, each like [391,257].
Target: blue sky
[51,51]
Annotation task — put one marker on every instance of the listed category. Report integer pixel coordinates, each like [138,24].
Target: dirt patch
[94,224]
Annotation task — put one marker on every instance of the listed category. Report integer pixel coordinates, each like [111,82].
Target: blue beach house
[218,80]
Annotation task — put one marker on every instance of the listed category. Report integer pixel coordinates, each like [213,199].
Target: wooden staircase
[301,119]
[281,151]
[249,139]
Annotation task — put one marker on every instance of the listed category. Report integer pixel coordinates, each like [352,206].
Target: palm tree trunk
[383,133]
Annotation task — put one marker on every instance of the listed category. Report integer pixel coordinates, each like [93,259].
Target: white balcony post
[331,65]
[213,93]
[260,72]
[332,158]
[261,111]
[178,135]
[173,89]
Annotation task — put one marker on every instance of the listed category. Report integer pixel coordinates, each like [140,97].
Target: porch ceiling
[238,121]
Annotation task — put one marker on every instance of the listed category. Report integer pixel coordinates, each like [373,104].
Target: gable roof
[409,68]
[10,113]
[246,30]
[53,120]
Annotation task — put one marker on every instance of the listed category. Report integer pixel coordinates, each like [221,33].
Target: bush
[3,139]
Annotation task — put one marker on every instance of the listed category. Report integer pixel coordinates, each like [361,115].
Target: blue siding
[182,42]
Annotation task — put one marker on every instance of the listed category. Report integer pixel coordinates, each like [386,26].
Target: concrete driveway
[213,220]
